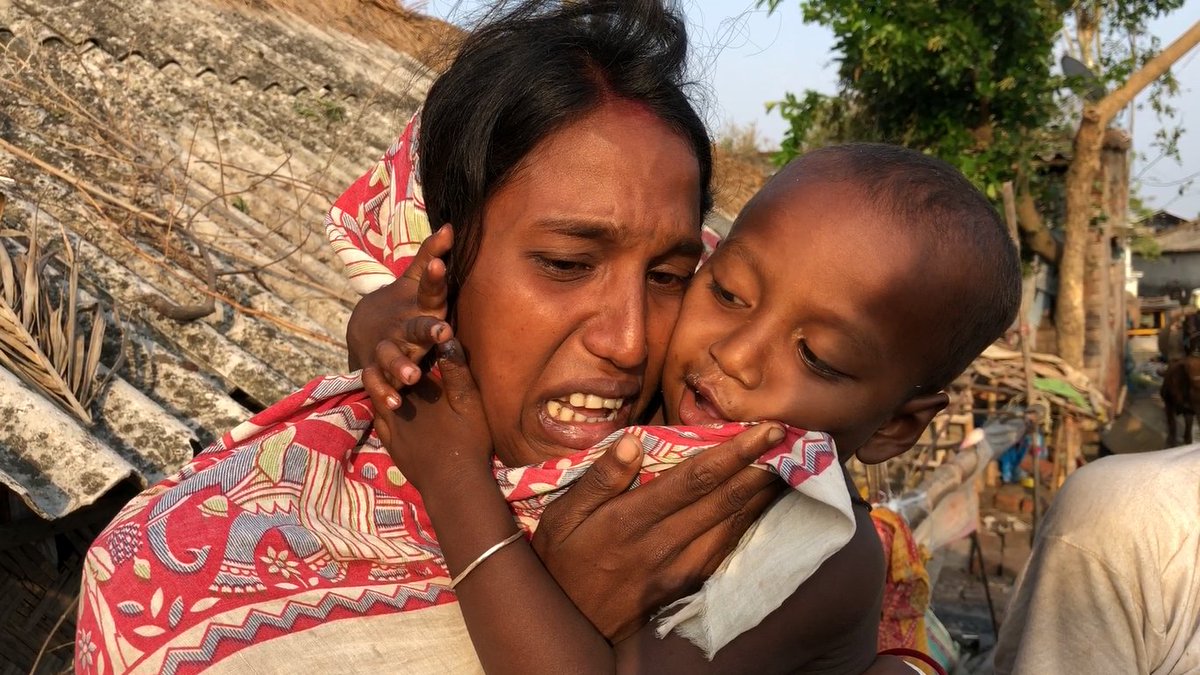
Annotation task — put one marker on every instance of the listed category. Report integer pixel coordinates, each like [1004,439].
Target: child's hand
[379,331]
[622,556]
[396,358]
[438,430]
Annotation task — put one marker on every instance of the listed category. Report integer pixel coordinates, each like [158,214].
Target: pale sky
[748,57]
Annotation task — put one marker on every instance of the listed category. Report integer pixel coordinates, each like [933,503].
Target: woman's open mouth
[579,420]
[580,407]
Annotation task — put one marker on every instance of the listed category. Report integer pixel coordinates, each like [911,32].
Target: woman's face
[585,254]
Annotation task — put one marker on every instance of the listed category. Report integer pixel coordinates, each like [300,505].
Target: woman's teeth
[579,407]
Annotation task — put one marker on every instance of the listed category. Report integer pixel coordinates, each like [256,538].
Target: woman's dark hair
[526,71]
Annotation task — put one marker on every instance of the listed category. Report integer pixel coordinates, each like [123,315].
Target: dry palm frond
[42,341]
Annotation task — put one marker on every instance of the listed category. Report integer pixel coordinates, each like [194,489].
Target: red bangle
[915,654]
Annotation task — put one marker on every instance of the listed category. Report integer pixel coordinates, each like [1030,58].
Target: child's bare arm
[829,625]
[519,618]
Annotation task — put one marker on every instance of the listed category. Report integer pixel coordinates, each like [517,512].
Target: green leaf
[217,505]
[270,454]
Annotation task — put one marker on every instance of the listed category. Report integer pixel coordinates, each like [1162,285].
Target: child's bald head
[935,203]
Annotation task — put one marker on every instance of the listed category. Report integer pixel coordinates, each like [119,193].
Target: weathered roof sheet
[126,123]
[1162,213]
[158,133]
[1182,239]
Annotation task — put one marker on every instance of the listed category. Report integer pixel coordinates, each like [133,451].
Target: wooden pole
[1010,216]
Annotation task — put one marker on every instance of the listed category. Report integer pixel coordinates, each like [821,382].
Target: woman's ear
[899,434]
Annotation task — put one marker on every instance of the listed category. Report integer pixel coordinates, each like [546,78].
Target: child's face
[815,312]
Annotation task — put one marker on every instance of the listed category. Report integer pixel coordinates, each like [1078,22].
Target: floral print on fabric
[278,527]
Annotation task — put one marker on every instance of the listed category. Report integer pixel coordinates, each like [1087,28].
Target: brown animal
[1181,396]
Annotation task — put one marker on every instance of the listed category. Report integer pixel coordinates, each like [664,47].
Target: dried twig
[79,183]
[70,609]
[185,313]
[154,201]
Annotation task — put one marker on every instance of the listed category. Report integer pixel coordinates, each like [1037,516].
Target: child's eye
[724,296]
[818,366]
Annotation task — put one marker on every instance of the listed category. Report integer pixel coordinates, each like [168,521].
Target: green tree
[973,83]
[964,81]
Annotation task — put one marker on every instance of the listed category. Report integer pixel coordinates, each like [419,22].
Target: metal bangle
[484,556]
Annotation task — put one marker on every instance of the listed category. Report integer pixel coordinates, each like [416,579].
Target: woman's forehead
[604,176]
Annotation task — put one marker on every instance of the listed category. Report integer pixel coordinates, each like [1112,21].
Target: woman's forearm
[519,620]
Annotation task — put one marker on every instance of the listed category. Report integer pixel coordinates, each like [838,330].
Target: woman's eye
[724,296]
[817,365]
[562,267]
[669,280]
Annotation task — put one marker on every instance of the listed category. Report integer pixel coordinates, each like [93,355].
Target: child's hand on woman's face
[437,430]
[380,331]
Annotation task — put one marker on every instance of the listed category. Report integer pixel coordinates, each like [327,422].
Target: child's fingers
[432,289]
[407,344]
[435,245]
[400,370]
[416,335]
[457,382]
[383,395]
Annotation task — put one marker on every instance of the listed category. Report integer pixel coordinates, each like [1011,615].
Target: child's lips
[697,409]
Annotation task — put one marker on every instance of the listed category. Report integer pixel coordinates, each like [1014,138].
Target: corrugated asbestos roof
[130,122]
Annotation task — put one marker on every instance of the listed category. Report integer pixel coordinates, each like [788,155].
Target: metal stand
[977,554]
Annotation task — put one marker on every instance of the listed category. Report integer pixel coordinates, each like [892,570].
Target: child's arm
[828,625]
[518,615]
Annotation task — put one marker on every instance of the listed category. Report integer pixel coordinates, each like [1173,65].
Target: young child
[851,289]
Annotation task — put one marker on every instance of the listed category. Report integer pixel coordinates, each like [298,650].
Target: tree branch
[1110,105]
[1034,234]
[1033,230]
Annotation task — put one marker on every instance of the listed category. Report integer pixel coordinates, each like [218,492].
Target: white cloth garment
[1113,584]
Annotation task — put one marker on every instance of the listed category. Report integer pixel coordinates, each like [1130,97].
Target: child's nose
[740,357]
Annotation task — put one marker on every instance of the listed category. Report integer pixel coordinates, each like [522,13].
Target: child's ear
[901,432]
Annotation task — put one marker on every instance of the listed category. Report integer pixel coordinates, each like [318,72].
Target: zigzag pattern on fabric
[294,610]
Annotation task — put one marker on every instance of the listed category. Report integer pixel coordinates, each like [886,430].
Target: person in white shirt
[1113,582]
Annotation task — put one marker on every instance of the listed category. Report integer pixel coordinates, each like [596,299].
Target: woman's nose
[740,356]
[617,331]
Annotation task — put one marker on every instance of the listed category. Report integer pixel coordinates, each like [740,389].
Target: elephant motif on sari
[278,485]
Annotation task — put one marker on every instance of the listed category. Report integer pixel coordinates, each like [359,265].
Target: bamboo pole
[1010,216]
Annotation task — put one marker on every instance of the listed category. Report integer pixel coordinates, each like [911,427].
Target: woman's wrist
[469,518]
[449,476]
[440,467]
[452,491]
